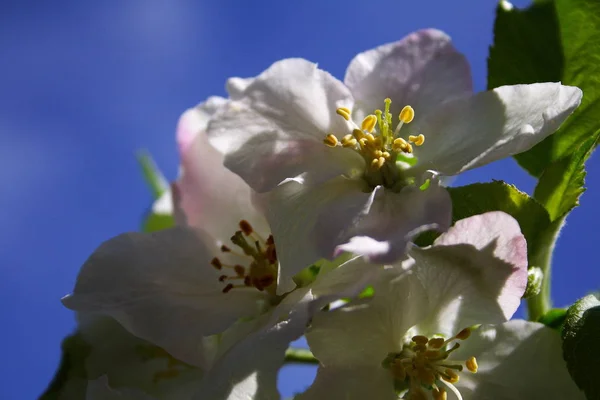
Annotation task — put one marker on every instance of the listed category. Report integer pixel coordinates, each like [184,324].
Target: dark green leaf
[551,41]
[526,46]
[581,347]
[499,196]
[562,182]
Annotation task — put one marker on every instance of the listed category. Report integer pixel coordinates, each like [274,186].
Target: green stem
[541,256]
[300,356]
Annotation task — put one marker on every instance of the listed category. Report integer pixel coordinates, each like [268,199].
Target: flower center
[378,142]
[261,270]
[424,363]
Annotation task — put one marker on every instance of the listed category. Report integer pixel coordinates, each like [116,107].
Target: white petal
[475,273]
[207,194]
[371,328]
[393,219]
[422,70]
[309,221]
[517,360]
[470,132]
[249,369]
[351,383]
[162,288]
[276,130]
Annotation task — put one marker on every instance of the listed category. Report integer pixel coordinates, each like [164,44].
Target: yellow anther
[420,339]
[370,138]
[464,334]
[417,140]
[399,145]
[358,134]
[451,376]
[330,140]
[378,162]
[363,141]
[385,155]
[471,364]
[349,141]
[344,112]
[407,114]
[440,394]
[378,153]
[408,149]
[436,343]
[369,122]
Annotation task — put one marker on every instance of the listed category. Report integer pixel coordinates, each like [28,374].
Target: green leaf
[154,178]
[581,347]
[499,196]
[157,222]
[526,46]
[561,184]
[551,41]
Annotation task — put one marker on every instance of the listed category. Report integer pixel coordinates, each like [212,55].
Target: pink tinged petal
[475,273]
[162,288]
[195,120]
[422,70]
[517,360]
[351,384]
[393,219]
[276,129]
[470,132]
[207,195]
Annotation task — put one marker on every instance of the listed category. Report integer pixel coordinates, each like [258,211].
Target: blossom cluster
[297,208]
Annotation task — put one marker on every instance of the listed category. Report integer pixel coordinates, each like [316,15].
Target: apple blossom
[404,338]
[360,158]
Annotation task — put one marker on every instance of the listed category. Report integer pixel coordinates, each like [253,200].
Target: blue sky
[85,84]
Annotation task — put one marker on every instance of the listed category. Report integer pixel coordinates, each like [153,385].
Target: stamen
[368,123]
[417,140]
[330,140]
[453,389]
[358,134]
[420,339]
[407,115]
[215,262]
[451,376]
[246,227]
[440,394]
[471,364]
[378,162]
[225,249]
[436,343]
[464,334]
[349,141]
[344,113]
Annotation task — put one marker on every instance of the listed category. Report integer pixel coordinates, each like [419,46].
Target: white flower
[335,168]
[406,338]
